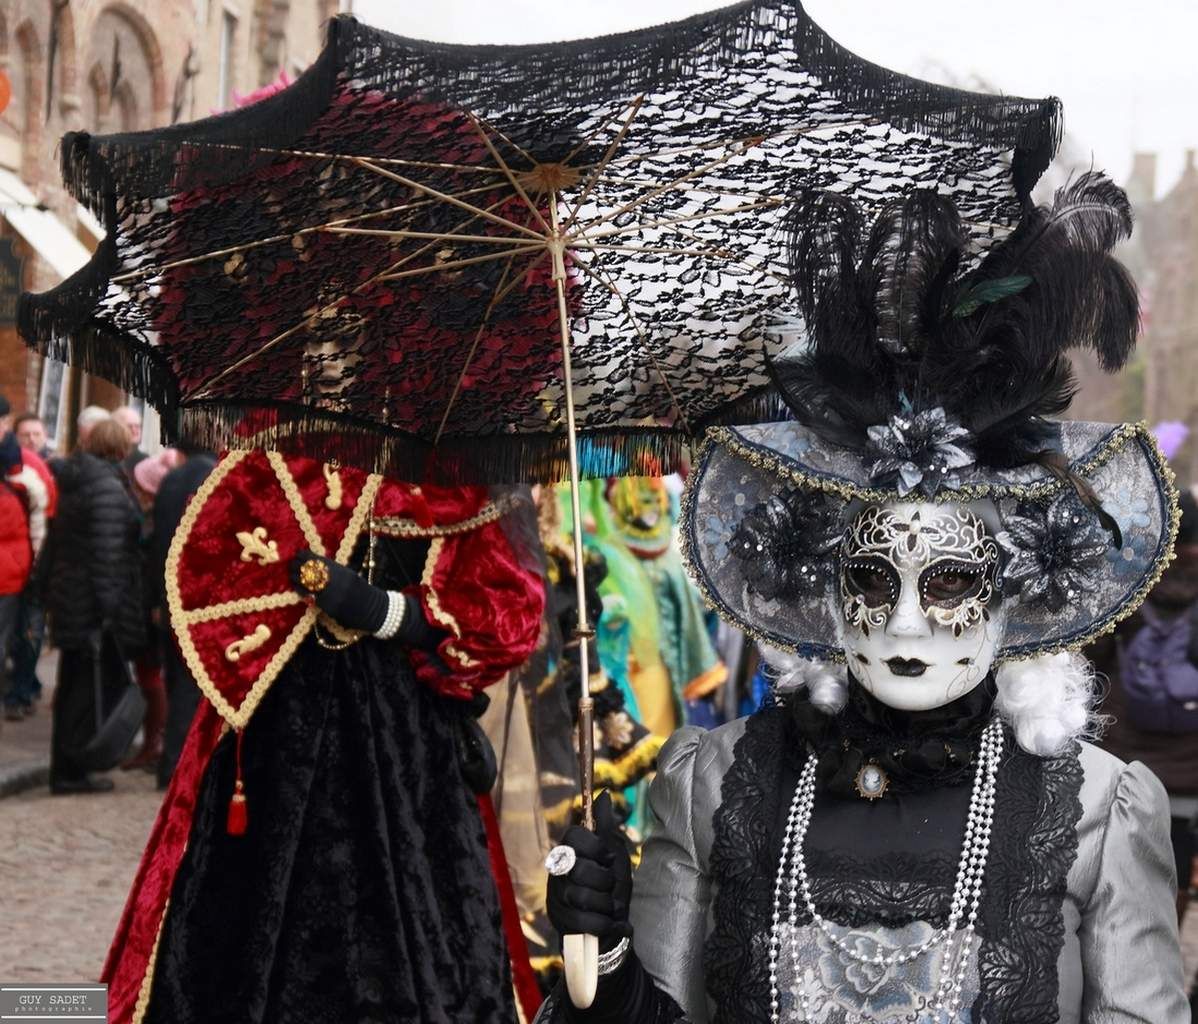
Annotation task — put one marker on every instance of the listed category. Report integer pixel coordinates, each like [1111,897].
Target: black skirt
[361,891]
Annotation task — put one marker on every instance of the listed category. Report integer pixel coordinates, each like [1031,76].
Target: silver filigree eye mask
[948,555]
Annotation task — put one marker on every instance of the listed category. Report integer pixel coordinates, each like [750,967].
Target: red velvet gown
[361,888]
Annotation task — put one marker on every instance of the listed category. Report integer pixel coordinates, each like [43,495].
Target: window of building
[124,106]
[228,36]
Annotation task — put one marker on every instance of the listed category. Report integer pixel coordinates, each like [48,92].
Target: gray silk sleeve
[671,891]
[1131,957]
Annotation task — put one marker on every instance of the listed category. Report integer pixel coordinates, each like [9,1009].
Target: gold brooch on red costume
[314,575]
[234,612]
[233,609]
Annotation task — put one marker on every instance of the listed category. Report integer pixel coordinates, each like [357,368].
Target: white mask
[920,603]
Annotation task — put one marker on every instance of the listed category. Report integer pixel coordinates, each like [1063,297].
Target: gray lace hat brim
[740,468]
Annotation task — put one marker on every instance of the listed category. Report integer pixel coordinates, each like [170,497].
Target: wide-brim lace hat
[920,380]
[1088,583]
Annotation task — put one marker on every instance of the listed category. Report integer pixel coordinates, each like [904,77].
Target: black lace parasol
[368,264]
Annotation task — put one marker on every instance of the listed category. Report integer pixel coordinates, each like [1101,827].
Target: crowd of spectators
[83,542]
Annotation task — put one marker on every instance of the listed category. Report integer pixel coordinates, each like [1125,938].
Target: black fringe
[762,405]
[59,324]
[498,459]
[1032,128]
[541,91]
[153,163]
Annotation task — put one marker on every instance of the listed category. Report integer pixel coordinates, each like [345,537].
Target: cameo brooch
[871,782]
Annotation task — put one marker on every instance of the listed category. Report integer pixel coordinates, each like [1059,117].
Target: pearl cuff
[397,606]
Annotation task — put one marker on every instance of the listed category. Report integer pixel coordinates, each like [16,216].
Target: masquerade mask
[917,582]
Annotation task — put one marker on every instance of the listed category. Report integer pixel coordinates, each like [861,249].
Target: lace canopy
[362,265]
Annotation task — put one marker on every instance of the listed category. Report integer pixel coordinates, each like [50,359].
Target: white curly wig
[1047,701]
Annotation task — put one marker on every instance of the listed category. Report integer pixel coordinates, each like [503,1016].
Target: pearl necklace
[967,892]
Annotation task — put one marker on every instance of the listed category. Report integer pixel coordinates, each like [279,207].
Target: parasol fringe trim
[58,325]
[124,177]
[505,458]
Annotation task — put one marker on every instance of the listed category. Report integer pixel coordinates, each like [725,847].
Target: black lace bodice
[1033,846]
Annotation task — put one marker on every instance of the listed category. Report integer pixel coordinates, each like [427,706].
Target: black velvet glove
[347,598]
[626,996]
[594,897]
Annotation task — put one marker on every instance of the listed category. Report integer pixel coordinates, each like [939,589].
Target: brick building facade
[120,65]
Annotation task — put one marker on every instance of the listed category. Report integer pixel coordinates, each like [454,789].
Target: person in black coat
[182,694]
[92,586]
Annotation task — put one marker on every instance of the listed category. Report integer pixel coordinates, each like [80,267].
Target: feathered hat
[929,371]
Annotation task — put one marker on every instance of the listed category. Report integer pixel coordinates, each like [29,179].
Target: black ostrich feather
[894,326]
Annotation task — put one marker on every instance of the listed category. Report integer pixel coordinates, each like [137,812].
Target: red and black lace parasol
[374,247]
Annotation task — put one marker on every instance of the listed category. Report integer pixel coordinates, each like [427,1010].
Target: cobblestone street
[66,864]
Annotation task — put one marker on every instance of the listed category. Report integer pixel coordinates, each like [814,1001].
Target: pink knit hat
[148,473]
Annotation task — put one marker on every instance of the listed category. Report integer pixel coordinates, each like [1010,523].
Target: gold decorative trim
[357,518]
[1115,442]
[241,606]
[296,501]
[394,526]
[249,642]
[332,479]
[440,615]
[182,619]
[147,980]
[255,545]
[345,637]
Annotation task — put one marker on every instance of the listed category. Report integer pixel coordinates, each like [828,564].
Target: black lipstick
[907,666]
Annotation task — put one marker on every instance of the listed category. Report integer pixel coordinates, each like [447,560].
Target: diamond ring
[561,860]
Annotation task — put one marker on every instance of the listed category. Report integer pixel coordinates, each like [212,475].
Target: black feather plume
[894,326]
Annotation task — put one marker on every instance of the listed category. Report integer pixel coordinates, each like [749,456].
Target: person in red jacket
[16,550]
[36,487]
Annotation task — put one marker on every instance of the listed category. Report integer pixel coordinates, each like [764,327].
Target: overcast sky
[1127,72]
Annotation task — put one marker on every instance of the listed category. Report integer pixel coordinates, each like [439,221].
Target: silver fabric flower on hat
[1056,552]
[920,451]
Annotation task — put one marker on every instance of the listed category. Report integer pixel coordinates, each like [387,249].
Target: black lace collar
[917,750]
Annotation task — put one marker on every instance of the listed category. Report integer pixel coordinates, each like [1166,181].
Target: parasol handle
[580,953]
